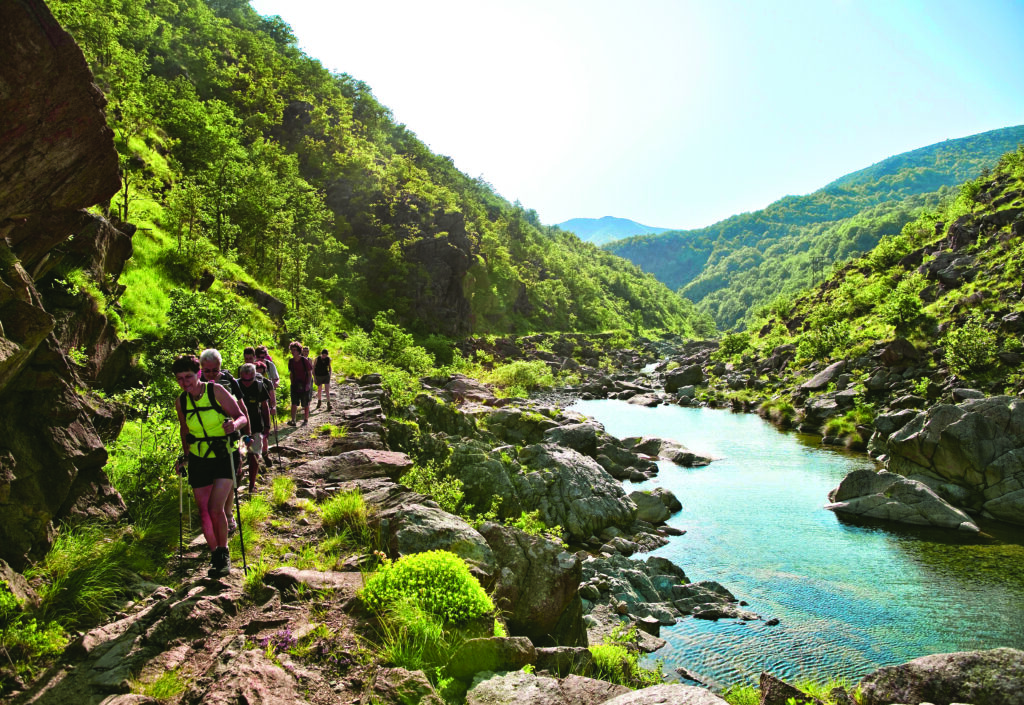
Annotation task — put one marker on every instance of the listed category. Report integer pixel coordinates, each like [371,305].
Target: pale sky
[673,113]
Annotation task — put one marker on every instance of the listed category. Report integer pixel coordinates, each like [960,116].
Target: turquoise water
[850,597]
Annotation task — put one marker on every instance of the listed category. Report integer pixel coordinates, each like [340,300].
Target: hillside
[732,268]
[237,147]
[601,231]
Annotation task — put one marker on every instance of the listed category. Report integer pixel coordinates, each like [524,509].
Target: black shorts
[203,471]
[322,379]
[300,397]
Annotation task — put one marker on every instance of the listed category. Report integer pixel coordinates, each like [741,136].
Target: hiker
[256,400]
[268,411]
[322,377]
[300,370]
[248,356]
[272,374]
[210,362]
[209,419]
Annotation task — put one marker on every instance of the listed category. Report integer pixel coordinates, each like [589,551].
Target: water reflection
[851,596]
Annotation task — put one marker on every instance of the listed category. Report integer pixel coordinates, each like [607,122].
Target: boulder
[491,654]
[520,688]
[681,455]
[885,495]
[581,437]
[563,660]
[415,528]
[683,377]
[649,507]
[825,377]
[250,677]
[464,389]
[674,693]
[978,445]
[995,676]
[360,464]
[397,685]
[775,691]
[536,587]
[571,490]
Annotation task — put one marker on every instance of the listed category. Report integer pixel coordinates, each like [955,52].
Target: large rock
[360,464]
[397,685]
[536,587]
[250,677]
[825,377]
[491,654]
[977,445]
[520,688]
[666,693]
[885,495]
[571,490]
[683,377]
[56,156]
[993,677]
[415,528]
[581,437]
[649,507]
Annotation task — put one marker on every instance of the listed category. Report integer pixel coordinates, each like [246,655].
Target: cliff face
[57,157]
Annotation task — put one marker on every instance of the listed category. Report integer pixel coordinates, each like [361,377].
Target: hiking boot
[318,403]
[328,406]
[291,423]
[220,564]
[266,460]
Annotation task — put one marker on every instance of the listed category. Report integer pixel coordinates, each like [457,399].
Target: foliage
[889,250]
[820,342]
[903,304]
[168,684]
[732,344]
[532,524]
[969,347]
[196,321]
[430,479]
[617,660]
[439,582]
[24,642]
[520,377]
[345,510]
[282,491]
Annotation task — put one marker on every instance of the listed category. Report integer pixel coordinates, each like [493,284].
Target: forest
[734,269]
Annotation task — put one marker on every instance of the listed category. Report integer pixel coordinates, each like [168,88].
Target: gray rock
[995,676]
[414,528]
[249,677]
[681,455]
[464,388]
[537,587]
[825,377]
[649,508]
[397,685]
[668,499]
[581,437]
[775,691]
[960,395]
[563,660]
[572,491]
[885,495]
[668,694]
[519,688]
[491,654]
[360,464]
[683,377]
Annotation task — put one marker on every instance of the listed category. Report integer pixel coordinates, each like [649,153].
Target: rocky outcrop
[885,495]
[520,688]
[537,587]
[56,157]
[995,676]
[971,454]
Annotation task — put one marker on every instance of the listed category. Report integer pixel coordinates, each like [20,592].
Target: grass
[168,684]
[751,695]
[329,429]
[344,510]
[282,491]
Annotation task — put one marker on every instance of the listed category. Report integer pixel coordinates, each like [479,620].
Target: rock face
[995,676]
[56,157]
[971,454]
[537,587]
[885,495]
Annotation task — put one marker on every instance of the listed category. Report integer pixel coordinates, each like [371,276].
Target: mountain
[732,268]
[601,231]
[233,142]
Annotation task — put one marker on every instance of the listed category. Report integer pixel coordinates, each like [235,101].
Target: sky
[672,113]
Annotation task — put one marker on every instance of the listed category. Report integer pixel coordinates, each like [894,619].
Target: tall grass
[344,510]
[282,491]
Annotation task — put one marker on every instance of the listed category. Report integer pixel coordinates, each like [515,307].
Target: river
[851,597]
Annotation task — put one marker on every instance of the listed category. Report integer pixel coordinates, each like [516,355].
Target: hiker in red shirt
[300,369]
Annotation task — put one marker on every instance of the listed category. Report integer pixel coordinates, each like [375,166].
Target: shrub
[439,582]
[733,344]
[903,304]
[889,250]
[779,412]
[520,377]
[819,343]
[618,660]
[969,347]
[531,523]
[24,642]
[345,510]
[427,478]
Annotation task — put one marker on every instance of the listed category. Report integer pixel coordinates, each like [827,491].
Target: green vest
[205,421]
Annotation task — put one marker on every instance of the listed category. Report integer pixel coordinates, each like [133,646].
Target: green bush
[345,510]
[519,378]
[428,479]
[617,660]
[889,250]
[969,347]
[531,523]
[733,344]
[903,305]
[439,582]
[25,643]
[818,343]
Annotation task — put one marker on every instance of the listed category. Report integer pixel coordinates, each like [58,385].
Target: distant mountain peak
[607,229]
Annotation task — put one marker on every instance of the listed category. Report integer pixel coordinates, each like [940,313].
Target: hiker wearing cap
[272,374]
[209,419]
[300,370]
[256,400]
[322,377]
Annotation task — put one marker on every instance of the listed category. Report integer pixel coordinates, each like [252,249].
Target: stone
[683,377]
[649,507]
[249,677]
[775,691]
[491,654]
[464,389]
[681,455]
[415,528]
[520,688]
[563,660]
[581,437]
[825,377]
[537,586]
[668,499]
[288,578]
[360,464]
[397,686]
[994,676]
[885,495]
[668,693]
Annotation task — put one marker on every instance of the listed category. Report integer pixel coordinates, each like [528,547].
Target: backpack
[211,395]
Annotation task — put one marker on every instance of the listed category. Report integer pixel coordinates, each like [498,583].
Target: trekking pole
[238,510]
[277,444]
[181,512]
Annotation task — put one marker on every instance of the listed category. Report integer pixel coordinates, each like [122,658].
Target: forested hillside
[734,268]
[262,166]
